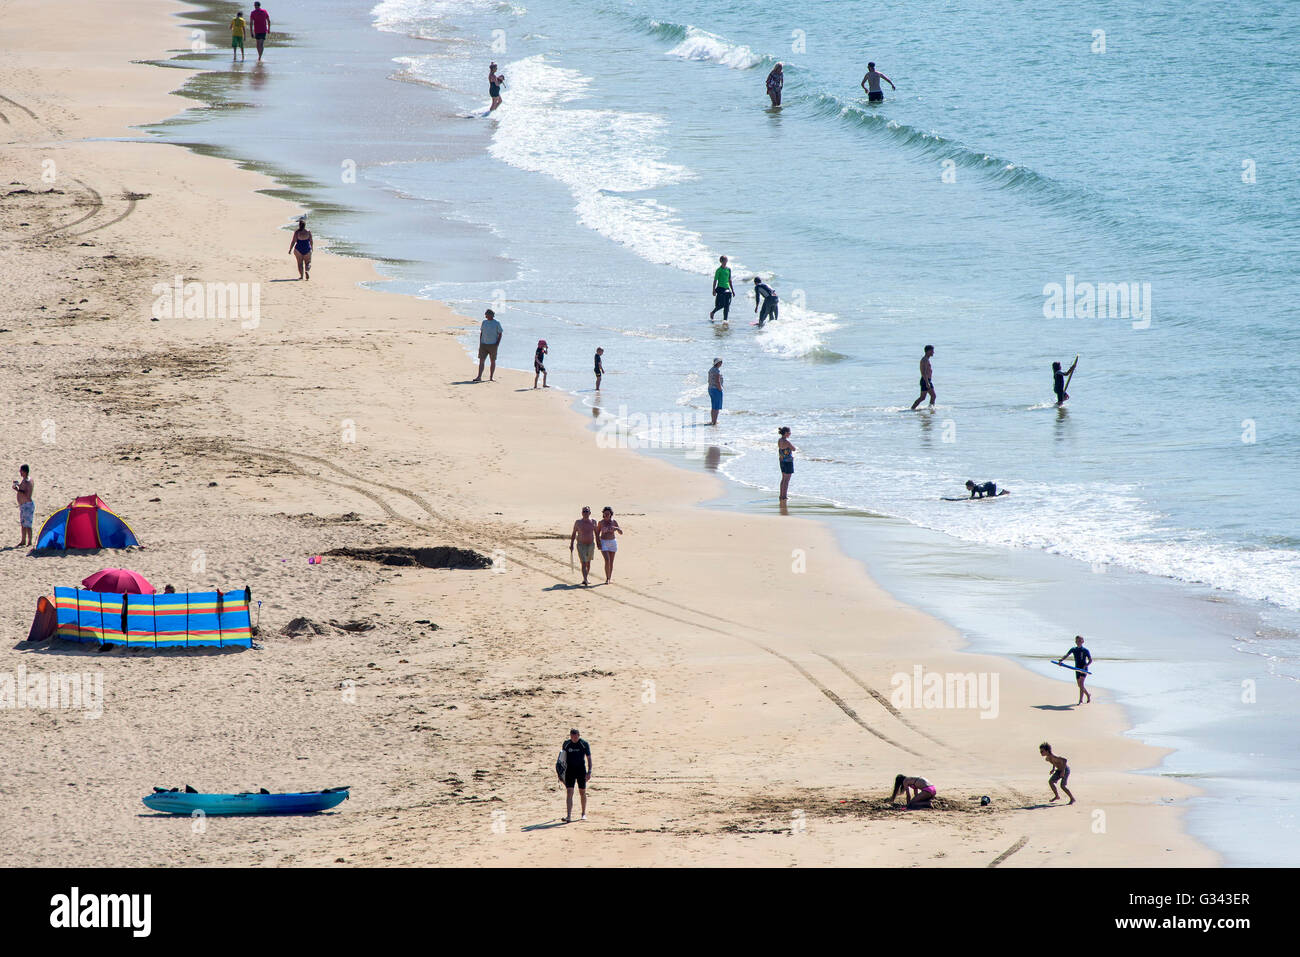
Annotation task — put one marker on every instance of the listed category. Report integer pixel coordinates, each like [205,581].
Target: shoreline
[630,474]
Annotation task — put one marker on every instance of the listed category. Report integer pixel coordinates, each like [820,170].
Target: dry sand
[737,708]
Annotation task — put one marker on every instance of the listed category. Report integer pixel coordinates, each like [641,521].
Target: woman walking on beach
[606,533]
[918,791]
[785,455]
[300,246]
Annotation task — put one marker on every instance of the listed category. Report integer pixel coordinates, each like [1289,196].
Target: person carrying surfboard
[574,767]
[1062,379]
[1082,658]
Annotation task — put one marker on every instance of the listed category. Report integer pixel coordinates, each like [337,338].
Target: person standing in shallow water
[715,391]
[723,291]
[301,245]
[495,80]
[927,378]
[785,455]
[775,80]
[871,84]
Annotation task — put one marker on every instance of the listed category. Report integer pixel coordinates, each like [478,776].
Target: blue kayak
[307,802]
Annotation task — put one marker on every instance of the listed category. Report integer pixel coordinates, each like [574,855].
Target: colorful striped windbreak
[194,619]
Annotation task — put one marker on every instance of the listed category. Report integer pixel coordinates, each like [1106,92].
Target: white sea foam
[699,45]
[409,16]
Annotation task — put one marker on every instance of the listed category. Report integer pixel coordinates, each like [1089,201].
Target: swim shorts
[715,398]
[576,773]
[494,91]
[26,512]
[586,551]
[609,544]
[876,96]
[236,43]
[484,350]
[787,468]
[721,299]
[925,384]
[538,367]
[259,36]
[1062,776]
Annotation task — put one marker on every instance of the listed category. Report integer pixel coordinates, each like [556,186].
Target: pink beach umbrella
[119,581]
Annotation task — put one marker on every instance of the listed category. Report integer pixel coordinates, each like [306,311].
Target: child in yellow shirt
[237,30]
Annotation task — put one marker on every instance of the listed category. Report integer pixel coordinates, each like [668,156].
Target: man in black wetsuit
[1082,658]
[577,770]
[765,294]
[988,489]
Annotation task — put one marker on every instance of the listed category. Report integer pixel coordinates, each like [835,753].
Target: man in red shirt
[260,21]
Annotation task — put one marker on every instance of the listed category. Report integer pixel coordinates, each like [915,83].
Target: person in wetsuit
[1058,381]
[576,769]
[775,80]
[1082,658]
[986,489]
[767,296]
[600,367]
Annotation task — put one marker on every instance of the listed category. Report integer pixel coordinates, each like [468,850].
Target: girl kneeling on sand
[918,791]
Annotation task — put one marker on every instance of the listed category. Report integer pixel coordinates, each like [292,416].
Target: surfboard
[965,498]
[1074,365]
[1072,668]
[561,763]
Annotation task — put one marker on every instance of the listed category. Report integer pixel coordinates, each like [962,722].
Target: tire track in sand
[282,458]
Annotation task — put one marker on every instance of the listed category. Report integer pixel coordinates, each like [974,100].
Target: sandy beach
[734,680]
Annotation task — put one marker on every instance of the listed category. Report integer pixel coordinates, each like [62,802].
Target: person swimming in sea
[984,489]
[301,246]
[871,84]
[1058,381]
[495,80]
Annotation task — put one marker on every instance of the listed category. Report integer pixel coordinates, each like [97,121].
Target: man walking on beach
[24,486]
[238,28]
[722,290]
[1082,658]
[576,754]
[260,20]
[715,391]
[489,340]
[871,83]
[927,383]
[767,295]
[584,533]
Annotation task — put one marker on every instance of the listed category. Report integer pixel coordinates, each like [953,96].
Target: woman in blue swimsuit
[300,246]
